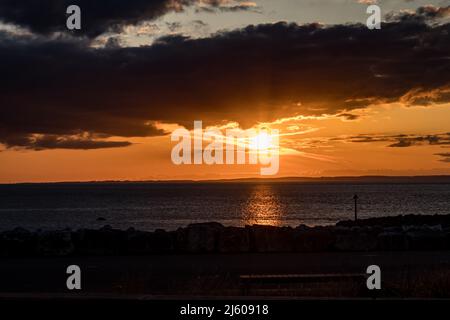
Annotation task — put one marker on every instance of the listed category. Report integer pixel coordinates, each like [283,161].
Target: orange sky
[316,154]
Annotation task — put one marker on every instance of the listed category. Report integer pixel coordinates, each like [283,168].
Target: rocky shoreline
[410,232]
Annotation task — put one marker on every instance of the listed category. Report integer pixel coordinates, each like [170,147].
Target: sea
[150,206]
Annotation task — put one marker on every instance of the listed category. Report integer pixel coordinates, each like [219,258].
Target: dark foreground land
[210,260]
[404,274]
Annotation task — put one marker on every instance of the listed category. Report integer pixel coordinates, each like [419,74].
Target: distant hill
[347,179]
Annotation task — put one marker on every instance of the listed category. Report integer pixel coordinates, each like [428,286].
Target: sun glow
[262,142]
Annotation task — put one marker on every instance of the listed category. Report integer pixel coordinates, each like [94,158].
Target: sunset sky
[100,103]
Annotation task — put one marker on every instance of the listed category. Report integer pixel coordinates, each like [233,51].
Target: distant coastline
[336,179]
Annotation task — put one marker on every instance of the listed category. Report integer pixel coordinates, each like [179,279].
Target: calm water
[169,206]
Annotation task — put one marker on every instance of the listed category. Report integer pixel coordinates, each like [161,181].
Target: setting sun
[262,142]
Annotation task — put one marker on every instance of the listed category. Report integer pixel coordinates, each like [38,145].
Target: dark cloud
[428,13]
[408,141]
[230,6]
[401,143]
[240,7]
[445,156]
[348,116]
[432,12]
[100,16]
[366,138]
[259,73]
[397,141]
[60,142]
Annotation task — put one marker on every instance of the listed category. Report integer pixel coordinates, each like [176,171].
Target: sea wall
[383,234]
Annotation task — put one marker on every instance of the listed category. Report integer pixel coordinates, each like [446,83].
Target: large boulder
[105,241]
[198,237]
[55,243]
[426,238]
[17,242]
[270,239]
[446,233]
[139,242]
[233,239]
[356,239]
[391,240]
[313,239]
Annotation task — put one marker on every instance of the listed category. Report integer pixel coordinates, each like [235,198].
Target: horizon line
[364,178]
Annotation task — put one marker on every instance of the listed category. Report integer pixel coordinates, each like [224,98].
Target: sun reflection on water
[263,207]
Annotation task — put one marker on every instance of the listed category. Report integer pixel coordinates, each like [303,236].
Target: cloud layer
[100,16]
[445,156]
[397,141]
[259,73]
